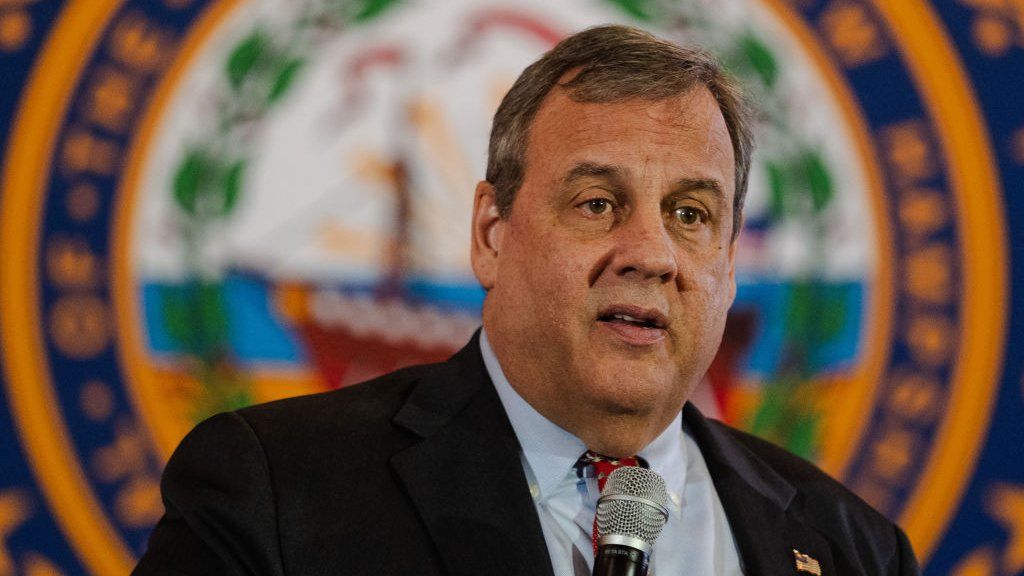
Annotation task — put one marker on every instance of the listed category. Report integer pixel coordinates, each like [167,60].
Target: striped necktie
[602,466]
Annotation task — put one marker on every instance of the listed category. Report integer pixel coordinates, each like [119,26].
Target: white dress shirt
[695,541]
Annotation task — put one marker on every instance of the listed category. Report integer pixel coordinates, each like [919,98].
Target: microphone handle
[619,560]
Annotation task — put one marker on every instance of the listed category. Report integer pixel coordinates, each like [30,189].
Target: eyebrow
[618,175]
[594,170]
[687,184]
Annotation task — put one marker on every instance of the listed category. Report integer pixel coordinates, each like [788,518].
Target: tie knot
[601,465]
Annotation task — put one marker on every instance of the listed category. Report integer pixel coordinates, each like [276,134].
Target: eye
[690,215]
[597,205]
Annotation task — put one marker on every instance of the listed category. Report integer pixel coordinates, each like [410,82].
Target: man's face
[610,280]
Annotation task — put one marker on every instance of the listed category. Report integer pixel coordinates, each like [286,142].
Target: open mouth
[633,316]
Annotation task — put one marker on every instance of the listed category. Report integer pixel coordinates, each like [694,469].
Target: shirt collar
[551,451]
[667,455]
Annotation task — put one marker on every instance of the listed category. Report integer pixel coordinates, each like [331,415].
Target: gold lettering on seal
[79,325]
[922,212]
[929,338]
[1017,147]
[915,398]
[36,565]
[890,459]
[96,400]
[14,510]
[979,562]
[85,152]
[82,202]
[892,454]
[1005,503]
[928,277]
[997,25]
[137,504]
[140,44]
[15,30]
[874,491]
[852,33]
[111,99]
[908,151]
[125,456]
[72,264]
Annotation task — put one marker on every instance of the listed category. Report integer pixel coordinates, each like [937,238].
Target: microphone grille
[634,503]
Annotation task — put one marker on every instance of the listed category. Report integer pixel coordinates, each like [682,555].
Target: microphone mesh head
[643,518]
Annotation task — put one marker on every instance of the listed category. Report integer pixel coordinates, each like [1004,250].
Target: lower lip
[635,335]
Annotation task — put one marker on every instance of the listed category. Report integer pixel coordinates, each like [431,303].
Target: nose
[644,249]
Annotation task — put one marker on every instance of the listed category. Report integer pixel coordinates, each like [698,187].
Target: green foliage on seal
[760,58]
[370,9]
[639,9]
[246,57]
[284,78]
[209,182]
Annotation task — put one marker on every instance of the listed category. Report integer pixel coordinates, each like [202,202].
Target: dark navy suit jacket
[418,473]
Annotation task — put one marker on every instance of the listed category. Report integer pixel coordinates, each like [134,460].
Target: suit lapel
[764,510]
[465,476]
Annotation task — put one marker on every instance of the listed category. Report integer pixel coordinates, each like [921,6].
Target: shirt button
[675,498]
[534,490]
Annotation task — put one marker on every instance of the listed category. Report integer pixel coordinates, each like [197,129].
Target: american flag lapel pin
[805,563]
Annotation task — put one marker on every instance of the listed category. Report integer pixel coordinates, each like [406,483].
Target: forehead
[685,135]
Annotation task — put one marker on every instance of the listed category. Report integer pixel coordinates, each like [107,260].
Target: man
[605,237]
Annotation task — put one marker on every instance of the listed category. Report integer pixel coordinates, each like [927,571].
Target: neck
[609,430]
[616,435]
[616,412]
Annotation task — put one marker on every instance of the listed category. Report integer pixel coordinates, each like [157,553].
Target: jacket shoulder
[236,474]
[858,530]
[369,404]
[820,492]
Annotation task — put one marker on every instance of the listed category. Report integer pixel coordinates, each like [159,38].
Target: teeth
[627,318]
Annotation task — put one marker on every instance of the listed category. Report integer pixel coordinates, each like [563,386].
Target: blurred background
[206,204]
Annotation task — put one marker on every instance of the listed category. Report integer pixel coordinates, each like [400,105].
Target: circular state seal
[242,201]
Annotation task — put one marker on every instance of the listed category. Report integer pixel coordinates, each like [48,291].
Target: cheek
[711,282]
[554,259]
[560,284]
[540,274]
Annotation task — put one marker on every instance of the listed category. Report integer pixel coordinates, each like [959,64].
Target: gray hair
[615,63]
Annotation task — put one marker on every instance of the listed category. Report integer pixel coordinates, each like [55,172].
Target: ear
[487,229]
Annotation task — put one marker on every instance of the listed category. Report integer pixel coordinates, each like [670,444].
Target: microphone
[631,512]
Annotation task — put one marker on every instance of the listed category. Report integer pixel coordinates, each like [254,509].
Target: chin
[635,394]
